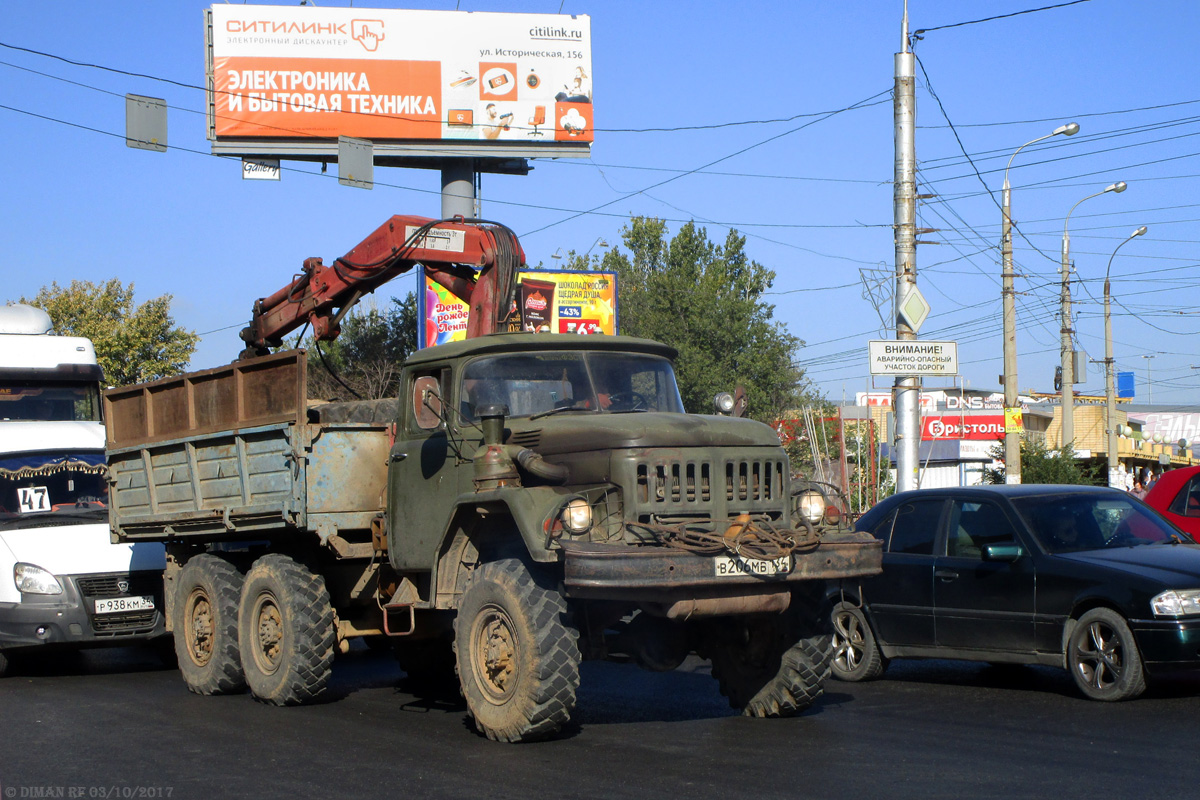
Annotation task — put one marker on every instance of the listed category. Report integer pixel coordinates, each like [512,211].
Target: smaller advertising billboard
[582,303]
[981,427]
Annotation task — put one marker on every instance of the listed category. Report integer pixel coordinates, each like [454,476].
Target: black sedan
[1086,578]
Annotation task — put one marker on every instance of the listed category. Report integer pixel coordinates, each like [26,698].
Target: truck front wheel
[517,653]
[772,665]
[286,632]
[205,625]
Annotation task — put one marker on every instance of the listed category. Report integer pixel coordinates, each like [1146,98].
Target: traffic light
[1058,379]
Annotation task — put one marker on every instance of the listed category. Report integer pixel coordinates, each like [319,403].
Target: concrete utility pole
[1067,347]
[906,392]
[1149,383]
[1012,436]
[1110,391]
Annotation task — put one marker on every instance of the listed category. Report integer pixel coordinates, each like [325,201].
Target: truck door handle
[945,574]
[394,457]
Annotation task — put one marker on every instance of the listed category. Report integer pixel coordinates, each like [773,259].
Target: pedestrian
[1138,491]
[1151,479]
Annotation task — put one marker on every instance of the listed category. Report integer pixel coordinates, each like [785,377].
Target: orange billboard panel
[328,97]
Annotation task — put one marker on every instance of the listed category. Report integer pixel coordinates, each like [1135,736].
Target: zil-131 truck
[530,500]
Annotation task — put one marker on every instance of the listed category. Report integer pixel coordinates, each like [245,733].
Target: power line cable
[852,107]
[917,33]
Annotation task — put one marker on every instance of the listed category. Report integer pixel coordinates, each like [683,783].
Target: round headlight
[577,516]
[811,506]
[723,402]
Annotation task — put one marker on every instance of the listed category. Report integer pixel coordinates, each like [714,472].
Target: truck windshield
[537,383]
[38,489]
[49,400]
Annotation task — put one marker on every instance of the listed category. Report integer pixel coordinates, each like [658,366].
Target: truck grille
[666,486]
[674,482]
[754,480]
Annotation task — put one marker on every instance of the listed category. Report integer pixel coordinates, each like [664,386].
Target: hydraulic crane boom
[475,260]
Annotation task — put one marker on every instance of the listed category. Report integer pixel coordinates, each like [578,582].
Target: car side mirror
[1002,552]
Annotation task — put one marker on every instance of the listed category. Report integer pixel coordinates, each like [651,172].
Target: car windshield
[532,384]
[1071,523]
[39,489]
[49,400]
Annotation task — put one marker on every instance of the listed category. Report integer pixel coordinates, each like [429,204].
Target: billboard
[490,80]
[982,427]
[581,303]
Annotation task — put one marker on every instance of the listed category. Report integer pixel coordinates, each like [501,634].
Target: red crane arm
[478,262]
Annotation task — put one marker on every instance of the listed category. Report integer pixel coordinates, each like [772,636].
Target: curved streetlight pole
[1012,433]
[1110,392]
[600,241]
[1067,354]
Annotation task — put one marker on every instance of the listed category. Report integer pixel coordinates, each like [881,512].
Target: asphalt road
[116,724]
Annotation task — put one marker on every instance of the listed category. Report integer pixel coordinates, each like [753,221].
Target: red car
[1176,495]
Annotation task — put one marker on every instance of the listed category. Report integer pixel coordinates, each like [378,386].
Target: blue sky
[753,85]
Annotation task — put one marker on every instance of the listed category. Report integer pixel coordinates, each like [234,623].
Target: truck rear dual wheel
[772,665]
[517,653]
[285,632]
[204,620]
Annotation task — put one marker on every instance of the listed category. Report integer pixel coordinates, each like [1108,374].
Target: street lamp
[1110,392]
[599,242]
[1067,347]
[1012,436]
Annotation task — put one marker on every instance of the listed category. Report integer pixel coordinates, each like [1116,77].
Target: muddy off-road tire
[517,653]
[205,625]
[772,665]
[285,631]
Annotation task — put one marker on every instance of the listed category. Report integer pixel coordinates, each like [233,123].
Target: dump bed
[236,451]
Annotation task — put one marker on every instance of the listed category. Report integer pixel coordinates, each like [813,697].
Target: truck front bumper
[69,619]
[675,582]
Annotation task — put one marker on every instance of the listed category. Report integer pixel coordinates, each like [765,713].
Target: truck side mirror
[427,402]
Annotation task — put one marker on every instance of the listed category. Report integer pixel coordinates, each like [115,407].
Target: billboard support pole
[458,188]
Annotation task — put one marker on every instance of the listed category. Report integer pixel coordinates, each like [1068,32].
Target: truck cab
[63,583]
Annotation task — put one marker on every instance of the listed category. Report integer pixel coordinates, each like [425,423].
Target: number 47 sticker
[33,498]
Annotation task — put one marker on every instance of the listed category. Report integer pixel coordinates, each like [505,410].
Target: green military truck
[531,500]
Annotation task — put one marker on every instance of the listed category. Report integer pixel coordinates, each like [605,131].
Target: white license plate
[115,605]
[725,566]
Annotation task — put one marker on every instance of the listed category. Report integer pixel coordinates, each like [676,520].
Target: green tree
[1043,464]
[367,355]
[705,300]
[134,343]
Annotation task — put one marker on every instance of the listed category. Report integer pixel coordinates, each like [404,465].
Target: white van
[63,583]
